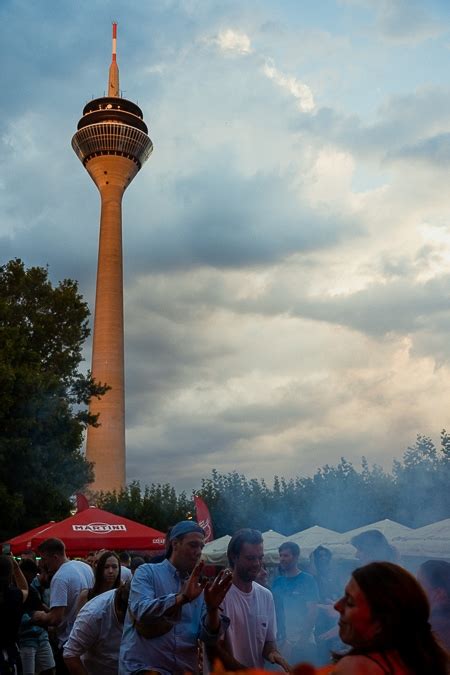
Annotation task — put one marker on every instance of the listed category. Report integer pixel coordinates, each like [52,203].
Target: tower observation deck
[112,142]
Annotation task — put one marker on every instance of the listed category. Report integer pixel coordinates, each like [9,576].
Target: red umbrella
[23,541]
[93,529]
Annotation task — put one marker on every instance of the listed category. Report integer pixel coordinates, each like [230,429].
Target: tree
[157,506]
[43,396]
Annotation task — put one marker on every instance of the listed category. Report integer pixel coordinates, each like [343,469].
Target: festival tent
[23,541]
[215,552]
[272,542]
[315,536]
[94,529]
[430,541]
[389,528]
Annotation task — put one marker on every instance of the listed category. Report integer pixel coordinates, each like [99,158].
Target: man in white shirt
[125,562]
[250,637]
[94,642]
[70,577]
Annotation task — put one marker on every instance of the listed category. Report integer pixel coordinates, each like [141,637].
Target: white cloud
[230,40]
[297,89]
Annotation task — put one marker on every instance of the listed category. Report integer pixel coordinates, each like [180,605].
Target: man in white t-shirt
[250,637]
[125,562]
[70,577]
[94,642]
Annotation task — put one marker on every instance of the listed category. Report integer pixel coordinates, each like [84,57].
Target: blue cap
[185,527]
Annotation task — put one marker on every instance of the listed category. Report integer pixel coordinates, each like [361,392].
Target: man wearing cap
[171,608]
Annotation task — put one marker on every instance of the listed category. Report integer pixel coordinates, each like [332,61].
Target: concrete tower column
[106,444]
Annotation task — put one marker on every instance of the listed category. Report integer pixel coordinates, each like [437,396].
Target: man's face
[288,561]
[28,555]
[248,564]
[187,551]
[51,562]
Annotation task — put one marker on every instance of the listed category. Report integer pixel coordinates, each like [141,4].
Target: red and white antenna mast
[113,81]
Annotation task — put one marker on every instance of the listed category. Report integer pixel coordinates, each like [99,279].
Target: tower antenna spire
[113,80]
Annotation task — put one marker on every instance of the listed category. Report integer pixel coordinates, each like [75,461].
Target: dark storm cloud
[399,307]
[434,151]
[230,220]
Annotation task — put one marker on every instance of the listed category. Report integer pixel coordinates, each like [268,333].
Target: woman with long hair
[11,609]
[107,577]
[384,617]
[372,545]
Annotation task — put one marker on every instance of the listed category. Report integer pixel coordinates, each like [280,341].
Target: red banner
[82,502]
[204,518]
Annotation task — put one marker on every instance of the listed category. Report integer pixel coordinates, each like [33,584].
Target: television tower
[112,142]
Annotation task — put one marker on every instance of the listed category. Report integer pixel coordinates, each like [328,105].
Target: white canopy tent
[215,553]
[430,541]
[315,536]
[389,528]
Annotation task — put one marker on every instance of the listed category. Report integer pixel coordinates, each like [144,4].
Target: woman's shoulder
[374,663]
[357,665]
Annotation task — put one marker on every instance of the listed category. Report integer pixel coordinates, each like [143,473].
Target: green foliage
[43,396]
[157,506]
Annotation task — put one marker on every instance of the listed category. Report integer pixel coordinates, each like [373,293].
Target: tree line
[341,497]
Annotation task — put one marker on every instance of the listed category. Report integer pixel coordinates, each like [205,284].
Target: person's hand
[217,589]
[194,585]
[38,617]
[275,657]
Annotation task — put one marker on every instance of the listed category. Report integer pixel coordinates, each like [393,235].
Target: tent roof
[389,528]
[23,541]
[439,530]
[94,528]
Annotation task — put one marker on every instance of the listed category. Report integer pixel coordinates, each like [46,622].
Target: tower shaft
[106,444]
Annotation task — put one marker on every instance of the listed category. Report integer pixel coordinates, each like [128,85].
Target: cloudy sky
[287,245]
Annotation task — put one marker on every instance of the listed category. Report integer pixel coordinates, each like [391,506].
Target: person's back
[434,576]
[84,570]
[95,636]
[65,587]
[11,609]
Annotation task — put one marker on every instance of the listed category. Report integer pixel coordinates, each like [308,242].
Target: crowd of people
[112,614]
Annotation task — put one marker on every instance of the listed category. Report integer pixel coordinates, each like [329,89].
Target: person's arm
[20,580]
[75,665]
[82,600]
[145,605]
[51,618]
[84,634]
[309,621]
[271,654]
[219,651]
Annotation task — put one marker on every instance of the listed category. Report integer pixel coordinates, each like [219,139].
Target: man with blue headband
[171,607]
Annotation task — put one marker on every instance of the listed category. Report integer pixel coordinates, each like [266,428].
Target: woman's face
[356,625]
[111,570]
